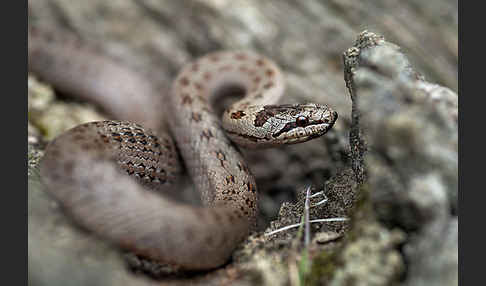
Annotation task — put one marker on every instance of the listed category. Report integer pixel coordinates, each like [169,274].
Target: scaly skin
[80,172]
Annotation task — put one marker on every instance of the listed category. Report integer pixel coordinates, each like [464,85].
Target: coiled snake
[79,171]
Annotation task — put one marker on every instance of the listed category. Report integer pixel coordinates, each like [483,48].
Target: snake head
[273,125]
[302,122]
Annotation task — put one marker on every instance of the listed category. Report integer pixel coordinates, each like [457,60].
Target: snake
[110,176]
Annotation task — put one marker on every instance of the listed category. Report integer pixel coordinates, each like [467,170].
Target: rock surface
[405,137]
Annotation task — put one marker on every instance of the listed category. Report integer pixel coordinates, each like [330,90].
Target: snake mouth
[334,118]
[328,127]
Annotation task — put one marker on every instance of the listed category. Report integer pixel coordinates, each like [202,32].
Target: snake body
[79,171]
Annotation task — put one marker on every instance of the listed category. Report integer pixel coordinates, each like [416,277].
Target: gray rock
[405,136]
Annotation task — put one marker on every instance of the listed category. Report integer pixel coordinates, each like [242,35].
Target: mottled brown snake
[78,167]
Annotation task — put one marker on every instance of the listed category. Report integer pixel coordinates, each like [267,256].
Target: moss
[368,255]
[323,268]
[33,158]
[361,213]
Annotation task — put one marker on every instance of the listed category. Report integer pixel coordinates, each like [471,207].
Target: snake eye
[302,121]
